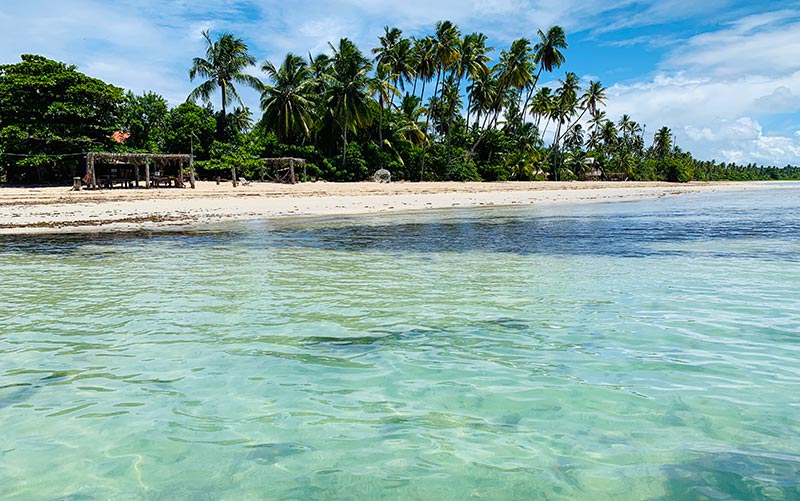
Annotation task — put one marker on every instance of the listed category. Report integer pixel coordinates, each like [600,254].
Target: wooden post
[180,172]
[147,175]
[233,173]
[292,178]
[136,170]
[76,184]
[305,177]
[191,170]
[90,166]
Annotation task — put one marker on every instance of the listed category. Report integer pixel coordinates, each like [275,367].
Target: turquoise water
[643,350]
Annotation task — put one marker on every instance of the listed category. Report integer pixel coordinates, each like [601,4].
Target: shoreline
[57,210]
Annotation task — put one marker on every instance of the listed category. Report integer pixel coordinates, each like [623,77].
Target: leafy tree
[50,114]
[190,128]
[145,118]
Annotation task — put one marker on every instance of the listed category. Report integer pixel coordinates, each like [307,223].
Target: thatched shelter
[124,169]
[282,170]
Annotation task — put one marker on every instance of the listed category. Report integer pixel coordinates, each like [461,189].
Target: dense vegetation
[434,108]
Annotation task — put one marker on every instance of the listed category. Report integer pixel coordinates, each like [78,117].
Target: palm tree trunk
[344,149]
[555,150]
[427,123]
[469,105]
[380,125]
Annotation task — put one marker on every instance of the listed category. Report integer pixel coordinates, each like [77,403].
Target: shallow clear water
[645,350]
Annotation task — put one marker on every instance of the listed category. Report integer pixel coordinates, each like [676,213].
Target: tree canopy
[50,112]
[434,107]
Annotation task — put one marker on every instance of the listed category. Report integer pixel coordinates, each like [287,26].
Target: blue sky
[724,75]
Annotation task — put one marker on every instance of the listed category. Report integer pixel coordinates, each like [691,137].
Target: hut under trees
[104,170]
[282,170]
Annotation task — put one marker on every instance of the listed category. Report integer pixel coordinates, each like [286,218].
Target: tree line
[436,107]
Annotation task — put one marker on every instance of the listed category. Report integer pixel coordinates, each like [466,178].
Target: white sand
[52,210]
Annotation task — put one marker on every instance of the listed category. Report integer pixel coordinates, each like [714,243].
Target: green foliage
[435,107]
[51,111]
[190,127]
[145,118]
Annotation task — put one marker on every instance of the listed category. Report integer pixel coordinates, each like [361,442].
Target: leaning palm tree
[288,103]
[593,96]
[224,64]
[473,63]
[541,106]
[515,69]
[566,105]
[380,86]
[346,94]
[547,53]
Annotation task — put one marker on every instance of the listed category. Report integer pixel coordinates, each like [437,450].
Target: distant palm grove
[431,108]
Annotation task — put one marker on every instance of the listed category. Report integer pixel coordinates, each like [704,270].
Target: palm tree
[288,103]
[424,62]
[395,54]
[592,96]
[224,64]
[381,87]
[446,53]
[542,105]
[389,40]
[474,61]
[597,121]
[566,104]
[548,50]
[662,142]
[547,53]
[481,94]
[516,65]
[346,95]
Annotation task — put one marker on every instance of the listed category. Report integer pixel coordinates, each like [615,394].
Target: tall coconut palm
[424,62]
[347,97]
[388,41]
[542,105]
[547,50]
[594,95]
[481,94]
[446,53]
[380,85]
[516,65]
[224,65]
[402,65]
[473,63]
[566,104]
[597,121]
[288,103]
[547,53]
[395,53]
[662,142]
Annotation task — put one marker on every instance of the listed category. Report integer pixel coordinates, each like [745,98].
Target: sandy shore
[53,210]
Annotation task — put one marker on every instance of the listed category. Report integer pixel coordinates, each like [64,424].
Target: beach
[59,210]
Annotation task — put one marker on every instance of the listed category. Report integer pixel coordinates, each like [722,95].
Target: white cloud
[717,88]
[764,44]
